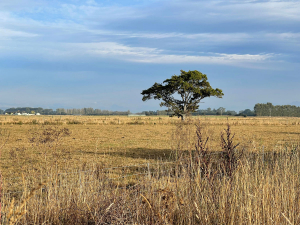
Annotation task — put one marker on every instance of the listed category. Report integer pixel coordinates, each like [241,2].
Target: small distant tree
[27,110]
[220,111]
[191,86]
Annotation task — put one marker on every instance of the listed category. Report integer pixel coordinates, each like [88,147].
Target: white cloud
[7,33]
[98,14]
[230,59]
[284,36]
[54,39]
[200,37]
[116,51]
[159,56]
[70,22]
[221,11]
[209,39]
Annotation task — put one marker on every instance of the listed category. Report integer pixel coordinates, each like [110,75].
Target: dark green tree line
[269,109]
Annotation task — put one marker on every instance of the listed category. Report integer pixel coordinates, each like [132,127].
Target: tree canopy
[191,87]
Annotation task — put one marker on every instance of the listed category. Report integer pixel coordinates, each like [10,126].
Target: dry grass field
[39,149]
[115,141]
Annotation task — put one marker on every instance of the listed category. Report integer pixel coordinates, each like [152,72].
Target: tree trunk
[183,117]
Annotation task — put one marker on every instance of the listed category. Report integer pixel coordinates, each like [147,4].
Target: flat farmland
[117,141]
[142,170]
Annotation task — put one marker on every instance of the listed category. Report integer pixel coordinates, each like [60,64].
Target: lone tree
[191,86]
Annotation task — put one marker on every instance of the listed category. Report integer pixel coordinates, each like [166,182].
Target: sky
[102,54]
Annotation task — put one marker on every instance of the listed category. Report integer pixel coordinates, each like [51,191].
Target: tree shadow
[161,154]
[171,155]
[284,132]
[146,153]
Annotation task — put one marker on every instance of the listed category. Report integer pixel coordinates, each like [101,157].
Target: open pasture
[117,141]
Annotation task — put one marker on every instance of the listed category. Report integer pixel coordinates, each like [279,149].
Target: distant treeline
[269,109]
[61,111]
[91,111]
[223,111]
[208,111]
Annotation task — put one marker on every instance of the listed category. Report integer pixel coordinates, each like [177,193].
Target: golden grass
[262,190]
[15,212]
[114,141]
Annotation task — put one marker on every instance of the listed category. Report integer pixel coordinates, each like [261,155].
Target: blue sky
[102,54]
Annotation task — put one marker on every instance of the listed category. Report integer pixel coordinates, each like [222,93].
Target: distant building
[136,114]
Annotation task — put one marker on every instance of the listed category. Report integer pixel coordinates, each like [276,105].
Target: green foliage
[246,112]
[191,86]
[24,110]
[219,111]
[269,109]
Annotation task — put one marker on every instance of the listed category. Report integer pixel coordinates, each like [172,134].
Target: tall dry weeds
[251,196]
[229,154]
[4,136]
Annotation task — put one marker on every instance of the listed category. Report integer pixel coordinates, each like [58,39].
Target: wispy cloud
[63,38]
[236,10]
[116,51]
[159,56]
[7,33]
[225,59]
